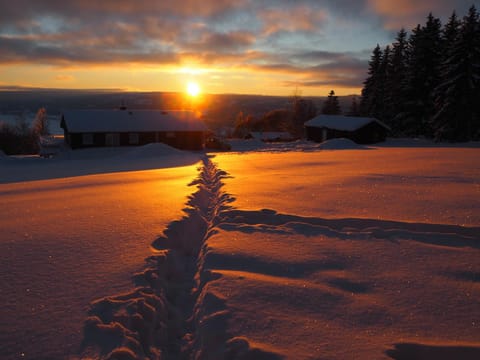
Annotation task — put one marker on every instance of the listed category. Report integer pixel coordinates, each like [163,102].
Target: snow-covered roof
[86,121]
[343,123]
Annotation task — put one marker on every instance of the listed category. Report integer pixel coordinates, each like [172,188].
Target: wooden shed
[122,127]
[362,130]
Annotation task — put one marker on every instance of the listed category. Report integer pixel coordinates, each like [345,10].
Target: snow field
[303,287]
[361,254]
[411,184]
[241,283]
[67,241]
[353,254]
[71,163]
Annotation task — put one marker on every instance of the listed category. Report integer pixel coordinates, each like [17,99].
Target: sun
[193,89]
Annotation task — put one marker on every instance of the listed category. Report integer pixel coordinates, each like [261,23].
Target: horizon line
[20,88]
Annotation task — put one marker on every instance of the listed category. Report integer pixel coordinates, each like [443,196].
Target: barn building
[362,130]
[122,127]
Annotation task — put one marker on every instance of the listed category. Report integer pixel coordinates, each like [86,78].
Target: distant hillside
[219,110]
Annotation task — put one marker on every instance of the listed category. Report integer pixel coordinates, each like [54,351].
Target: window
[87,139]
[324,134]
[112,139]
[133,138]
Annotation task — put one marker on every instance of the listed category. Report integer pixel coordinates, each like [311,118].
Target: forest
[427,83]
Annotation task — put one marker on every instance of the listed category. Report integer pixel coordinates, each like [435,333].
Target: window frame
[87,139]
[133,138]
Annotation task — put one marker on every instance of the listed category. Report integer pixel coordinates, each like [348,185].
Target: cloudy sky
[269,47]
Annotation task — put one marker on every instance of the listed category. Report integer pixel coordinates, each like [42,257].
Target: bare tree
[40,124]
[301,111]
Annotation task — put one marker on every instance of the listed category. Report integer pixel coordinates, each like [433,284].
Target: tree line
[23,138]
[427,83]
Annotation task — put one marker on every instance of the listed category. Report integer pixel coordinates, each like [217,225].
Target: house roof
[343,123]
[92,121]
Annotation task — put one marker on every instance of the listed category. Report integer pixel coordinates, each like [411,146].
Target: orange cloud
[64,77]
[299,18]
[408,13]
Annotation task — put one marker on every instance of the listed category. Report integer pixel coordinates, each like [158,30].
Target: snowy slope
[432,185]
[349,262]
[93,161]
[291,251]
[67,241]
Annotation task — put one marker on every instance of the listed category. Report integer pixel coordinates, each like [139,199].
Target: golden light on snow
[193,89]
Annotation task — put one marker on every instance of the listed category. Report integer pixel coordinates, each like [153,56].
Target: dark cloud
[221,42]
[25,9]
[333,69]
[346,69]
[29,51]
[95,31]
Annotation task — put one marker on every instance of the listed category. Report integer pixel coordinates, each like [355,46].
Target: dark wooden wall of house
[185,140]
[368,134]
[75,140]
[313,133]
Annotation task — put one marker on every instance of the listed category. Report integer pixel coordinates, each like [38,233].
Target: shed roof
[343,123]
[92,121]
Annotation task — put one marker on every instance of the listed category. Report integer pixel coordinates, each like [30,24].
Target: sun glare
[193,89]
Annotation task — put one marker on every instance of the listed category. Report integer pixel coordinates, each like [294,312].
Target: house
[123,127]
[362,130]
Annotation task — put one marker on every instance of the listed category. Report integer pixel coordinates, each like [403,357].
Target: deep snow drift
[93,161]
[283,252]
[69,240]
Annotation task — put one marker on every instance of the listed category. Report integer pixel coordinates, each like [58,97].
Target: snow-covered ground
[65,241]
[298,251]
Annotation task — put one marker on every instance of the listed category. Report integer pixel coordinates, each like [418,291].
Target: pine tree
[395,83]
[382,90]
[331,105]
[422,76]
[354,109]
[458,109]
[450,35]
[429,84]
[432,32]
[451,30]
[371,90]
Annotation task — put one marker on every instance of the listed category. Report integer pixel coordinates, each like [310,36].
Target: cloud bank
[310,40]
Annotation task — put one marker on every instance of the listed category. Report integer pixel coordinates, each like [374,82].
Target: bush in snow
[17,139]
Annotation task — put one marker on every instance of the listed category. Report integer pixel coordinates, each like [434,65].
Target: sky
[266,47]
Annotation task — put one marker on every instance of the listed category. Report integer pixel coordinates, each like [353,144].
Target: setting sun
[193,89]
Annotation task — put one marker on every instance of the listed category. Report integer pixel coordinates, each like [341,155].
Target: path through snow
[164,316]
[227,283]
